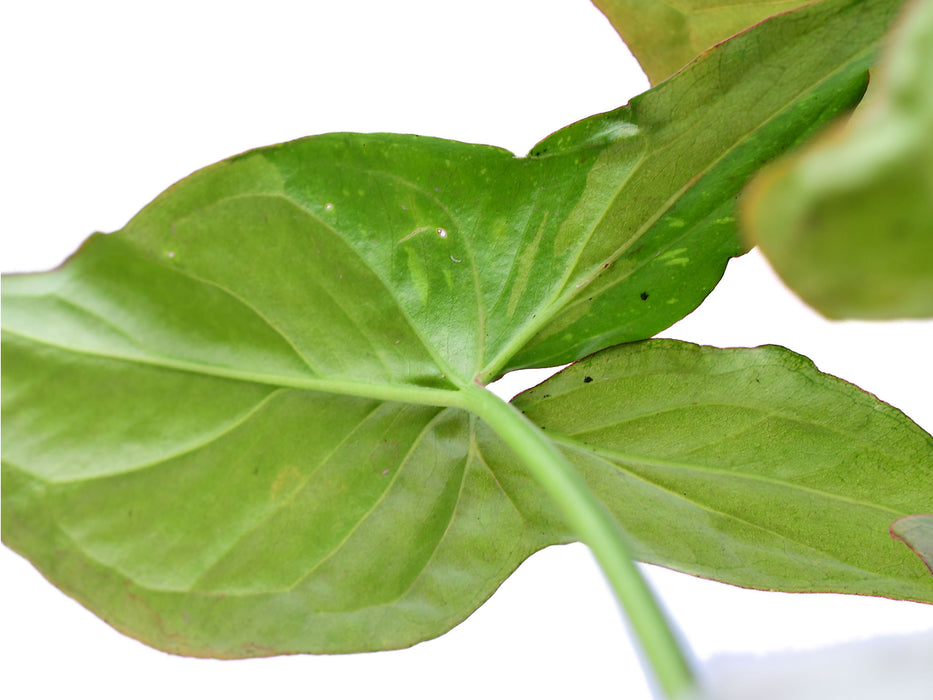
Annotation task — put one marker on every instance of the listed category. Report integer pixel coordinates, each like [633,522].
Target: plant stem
[596,528]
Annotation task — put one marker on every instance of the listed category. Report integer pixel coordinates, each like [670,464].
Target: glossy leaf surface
[848,223]
[242,425]
[745,465]
[665,35]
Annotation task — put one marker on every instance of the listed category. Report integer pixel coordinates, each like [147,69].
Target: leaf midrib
[384,391]
[733,516]
[620,459]
[272,512]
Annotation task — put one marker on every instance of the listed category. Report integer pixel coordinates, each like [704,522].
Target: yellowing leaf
[848,222]
[665,35]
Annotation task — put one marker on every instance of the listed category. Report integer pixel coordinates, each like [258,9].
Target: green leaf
[245,424]
[745,465]
[292,522]
[665,35]
[848,222]
[916,531]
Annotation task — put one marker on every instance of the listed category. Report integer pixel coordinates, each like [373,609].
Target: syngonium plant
[296,451]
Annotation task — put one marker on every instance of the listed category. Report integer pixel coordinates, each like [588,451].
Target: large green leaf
[242,425]
[745,465]
[664,35]
[230,519]
[848,223]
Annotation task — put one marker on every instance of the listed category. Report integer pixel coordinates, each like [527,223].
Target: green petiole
[596,528]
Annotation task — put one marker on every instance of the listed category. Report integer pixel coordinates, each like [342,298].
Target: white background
[104,104]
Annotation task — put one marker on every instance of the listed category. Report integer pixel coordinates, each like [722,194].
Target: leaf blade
[303,550]
[676,206]
[848,221]
[756,476]
[664,36]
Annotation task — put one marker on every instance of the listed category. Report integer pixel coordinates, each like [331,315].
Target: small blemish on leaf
[442,232]
[328,206]
[171,253]
[587,380]
[644,296]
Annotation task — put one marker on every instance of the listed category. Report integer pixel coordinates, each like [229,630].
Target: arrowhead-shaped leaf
[745,465]
[242,425]
[848,222]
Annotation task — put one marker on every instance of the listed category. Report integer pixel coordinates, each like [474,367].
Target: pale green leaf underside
[665,35]
[240,426]
[745,465]
[848,222]
[916,531]
[287,521]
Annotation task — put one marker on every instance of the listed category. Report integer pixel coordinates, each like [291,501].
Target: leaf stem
[598,529]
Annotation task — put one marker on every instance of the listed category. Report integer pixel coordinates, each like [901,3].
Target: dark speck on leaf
[587,380]
[644,296]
